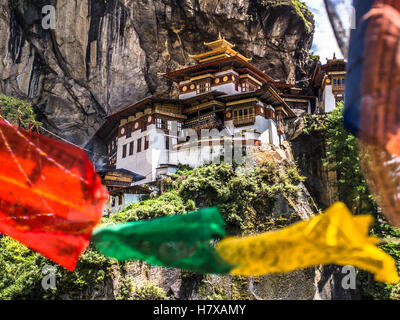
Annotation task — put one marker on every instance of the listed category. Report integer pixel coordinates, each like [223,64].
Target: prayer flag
[50,195]
[180,241]
[335,237]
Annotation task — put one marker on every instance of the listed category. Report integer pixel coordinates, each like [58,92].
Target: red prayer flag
[50,195]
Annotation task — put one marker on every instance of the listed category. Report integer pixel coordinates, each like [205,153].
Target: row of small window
[206,87]
[243,113]
[338,83]
[138,146]
[167,124]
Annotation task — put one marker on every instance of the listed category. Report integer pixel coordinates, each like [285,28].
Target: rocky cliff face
[105,53]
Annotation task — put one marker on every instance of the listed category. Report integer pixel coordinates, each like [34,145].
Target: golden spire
[219,44]
[333,59]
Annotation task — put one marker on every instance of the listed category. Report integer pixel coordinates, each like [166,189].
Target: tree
[18,112]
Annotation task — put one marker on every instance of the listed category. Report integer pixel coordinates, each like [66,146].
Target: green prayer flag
[180,241]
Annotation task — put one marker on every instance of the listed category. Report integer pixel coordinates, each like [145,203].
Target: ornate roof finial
[219,36]
[334,56]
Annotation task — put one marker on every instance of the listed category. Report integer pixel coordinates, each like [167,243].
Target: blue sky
[324,40]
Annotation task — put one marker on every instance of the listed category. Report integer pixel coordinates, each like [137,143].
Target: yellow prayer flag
[334,237]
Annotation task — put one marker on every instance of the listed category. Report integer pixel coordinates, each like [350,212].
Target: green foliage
[126,289]
[314,123]
[390,244]
[342,157]
[314,57]
[239,194]
[167,204]
[18,112]
[239,288]
[149,292]
[21,273]
[301,8]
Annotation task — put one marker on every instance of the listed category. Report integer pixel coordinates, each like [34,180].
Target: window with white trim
[159,123]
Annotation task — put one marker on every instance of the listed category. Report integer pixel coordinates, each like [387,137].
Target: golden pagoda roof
[220,48]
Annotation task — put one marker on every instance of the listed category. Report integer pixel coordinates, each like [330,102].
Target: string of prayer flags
[180,241]
[335,237]
[372,104]
[50,195]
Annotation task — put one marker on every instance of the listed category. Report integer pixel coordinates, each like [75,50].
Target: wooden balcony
[243,121]
[338,87]
[207,121]
[205,125]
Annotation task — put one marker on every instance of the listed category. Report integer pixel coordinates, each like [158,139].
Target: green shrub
[149,292]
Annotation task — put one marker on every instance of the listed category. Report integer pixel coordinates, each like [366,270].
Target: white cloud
[325,43]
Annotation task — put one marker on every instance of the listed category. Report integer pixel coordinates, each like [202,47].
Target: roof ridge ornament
[221,42]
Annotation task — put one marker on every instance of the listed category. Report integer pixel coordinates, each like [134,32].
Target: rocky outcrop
[103,54]
[309,152]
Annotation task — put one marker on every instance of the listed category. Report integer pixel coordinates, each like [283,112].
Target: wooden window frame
[139,145]
[124,147]
[244,115]
[129,131]
[144,125]
[167,143]
[203,87]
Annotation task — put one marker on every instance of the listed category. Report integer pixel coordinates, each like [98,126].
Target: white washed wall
[329,99]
